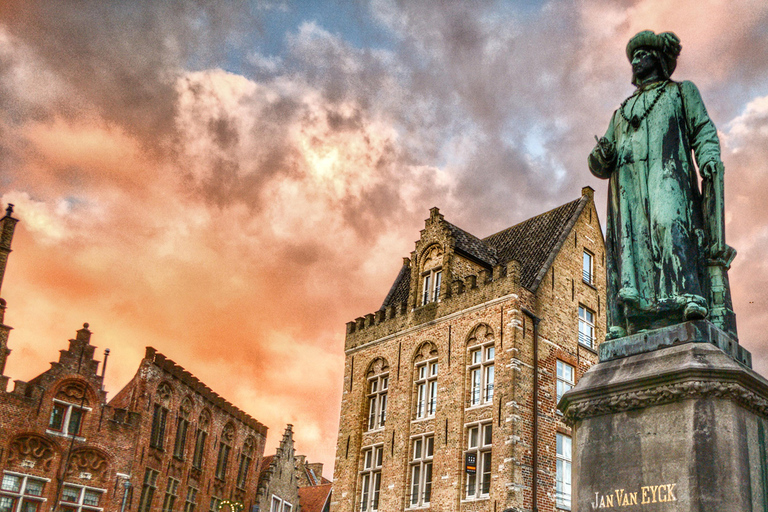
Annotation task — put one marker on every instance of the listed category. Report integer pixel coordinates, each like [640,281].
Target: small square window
[11,483]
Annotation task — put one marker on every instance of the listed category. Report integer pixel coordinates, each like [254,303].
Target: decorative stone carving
[31,448]
[377,366]
[660,395]
[427,350]
[249,446]
[205,420]
[228,434]
[164,392]
[87,461]
[433,257]
[73,392]
[185,409]
[481,333]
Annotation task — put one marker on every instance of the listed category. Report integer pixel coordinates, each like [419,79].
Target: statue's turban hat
[666,44]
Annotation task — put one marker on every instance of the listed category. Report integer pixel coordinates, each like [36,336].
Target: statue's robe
[655,240]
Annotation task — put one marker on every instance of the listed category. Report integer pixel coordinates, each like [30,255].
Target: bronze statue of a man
[665,238]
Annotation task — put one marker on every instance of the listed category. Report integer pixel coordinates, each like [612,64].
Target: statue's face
[643,63]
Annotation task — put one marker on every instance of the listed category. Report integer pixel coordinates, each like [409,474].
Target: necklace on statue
[635,120]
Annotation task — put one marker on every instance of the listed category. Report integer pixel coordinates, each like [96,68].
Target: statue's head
[659,50]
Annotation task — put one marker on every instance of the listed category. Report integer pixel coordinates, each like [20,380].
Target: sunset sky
[231,182]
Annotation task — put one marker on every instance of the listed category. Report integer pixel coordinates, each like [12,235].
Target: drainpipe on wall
[535,483]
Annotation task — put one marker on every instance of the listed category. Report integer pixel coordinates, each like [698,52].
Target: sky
[231,182]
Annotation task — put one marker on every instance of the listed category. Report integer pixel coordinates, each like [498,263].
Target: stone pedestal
[681,428]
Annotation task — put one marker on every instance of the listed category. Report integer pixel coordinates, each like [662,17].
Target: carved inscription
[647,494]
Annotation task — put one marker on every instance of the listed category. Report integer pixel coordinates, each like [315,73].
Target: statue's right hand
[606,149]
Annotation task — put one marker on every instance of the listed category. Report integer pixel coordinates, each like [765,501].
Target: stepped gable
[400,288]
[535,242]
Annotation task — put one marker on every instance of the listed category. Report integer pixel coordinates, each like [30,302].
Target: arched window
[163,397]
[378,385]
[182,425]
[425,380]
[246,457]
[480,366]
[68,410]
[225,446]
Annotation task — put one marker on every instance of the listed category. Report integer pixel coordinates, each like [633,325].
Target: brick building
[278,489]
[166,441]
[440,408]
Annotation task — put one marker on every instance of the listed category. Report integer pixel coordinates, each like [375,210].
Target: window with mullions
[148,490]
[200,437]
[422,450]
[21,493]
[182,425]
[481,374]
[586,267]
[171,493]
[246,457]
[430,289]
[565,378]
[377,401]
[191,501]
[478,478]
[586,327]
[370,479]
[426,388]
[66,418]
[215,502]
[78,498]
[563,481]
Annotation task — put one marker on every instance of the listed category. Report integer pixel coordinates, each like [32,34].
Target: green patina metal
[665,234]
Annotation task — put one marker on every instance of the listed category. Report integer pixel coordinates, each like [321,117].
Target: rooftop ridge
[161,361]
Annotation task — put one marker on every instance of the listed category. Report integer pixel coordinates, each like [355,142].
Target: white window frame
[430,286]
[278,504]
[482,374]
[81,505]
[422,453]
[69,407]
[378,386]
[426,388]
[564,472]
[587,267]
[370,478]
[566,378]
[586,327]
[479,442]
[21,496]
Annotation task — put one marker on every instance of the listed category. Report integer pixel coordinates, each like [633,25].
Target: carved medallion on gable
[427,350]
[164,392]
[481,333]
[88,464]
[377,366]
[32,451]
[73,392]
[433,257]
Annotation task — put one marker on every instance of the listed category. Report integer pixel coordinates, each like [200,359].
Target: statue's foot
[694,311]
[615,332]
[630,296]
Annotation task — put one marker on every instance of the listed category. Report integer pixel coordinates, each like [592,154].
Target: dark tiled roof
[314,497]
[473,246]
[400,289]
[532,242]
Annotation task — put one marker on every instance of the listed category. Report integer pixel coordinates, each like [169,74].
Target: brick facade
[458,370]
[278,483]
[166,441]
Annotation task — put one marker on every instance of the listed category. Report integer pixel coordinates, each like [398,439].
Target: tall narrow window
[191,501]
[215,502]
[586,267]
[21,493]
[563,481]
[586,327]
[148,490]
[171,493]
[370,479]
[426,388]
[421,470]
[481,374]
[200,437]
[246,457]
[430,289]
[377,401]
[221,462]
[157,435]
[182,424]
[478,477]
[565,378]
